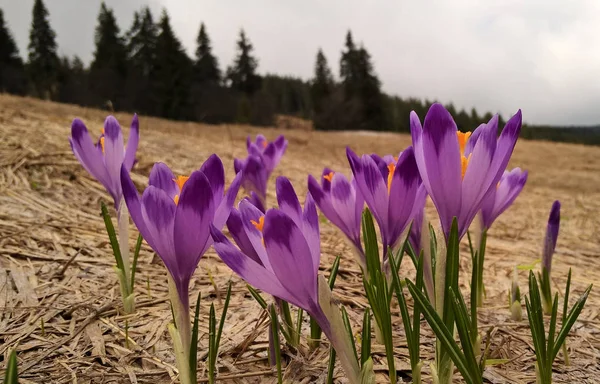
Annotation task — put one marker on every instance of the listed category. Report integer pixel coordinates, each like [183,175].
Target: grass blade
[12,375]
[330,365]
[570,321]
[112,236]
[277,346]
[222,320]
[259,299]
[464,332]
[335,267]
[194,345]
[349,331]
[365,346]
[136,254]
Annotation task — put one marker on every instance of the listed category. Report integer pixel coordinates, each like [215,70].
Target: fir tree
[172,73]
[43,61]
[206,67]
[321,89]
[108,70]
[141,53]
[12,75]
[242,74]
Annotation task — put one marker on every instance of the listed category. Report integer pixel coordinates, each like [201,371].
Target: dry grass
[59,297]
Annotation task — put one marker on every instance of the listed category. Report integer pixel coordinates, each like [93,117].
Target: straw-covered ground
[59,300]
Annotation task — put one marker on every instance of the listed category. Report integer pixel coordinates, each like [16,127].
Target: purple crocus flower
[270,152]
[500,198]
[551,237]
[414,237]
[458,169]
[341,202]
[174,215]
[280,254]
[103,160]
[393,194]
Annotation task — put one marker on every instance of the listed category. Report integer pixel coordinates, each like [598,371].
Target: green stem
[480,260]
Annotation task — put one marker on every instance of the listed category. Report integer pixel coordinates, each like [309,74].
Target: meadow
[59,297]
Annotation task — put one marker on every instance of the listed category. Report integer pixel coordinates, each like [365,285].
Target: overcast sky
[542,56]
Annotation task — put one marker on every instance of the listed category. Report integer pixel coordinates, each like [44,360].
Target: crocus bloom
[458,169]
[414,237]
[284,260]
[551,237]
[270,152]
[500,198]
[341,202]
[103,160]
[393,195]
[174,215]
[254,179]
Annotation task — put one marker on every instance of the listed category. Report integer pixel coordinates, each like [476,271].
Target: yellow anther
[464,162]
[260,224]
[391,169]
[102,143]
[181,180]
[265,143]
[328,176]
[396,159]
[176,199]
[463,137]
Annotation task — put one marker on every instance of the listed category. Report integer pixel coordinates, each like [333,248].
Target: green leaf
[570,321]
[334,272]
[441,331]
[222,320]
[194,345]
[259,299]
[211,344]
[365,347]
[112,236]
[136,254]
[11,376]
[349,331]
[276,345]
[463,327]
[330,365]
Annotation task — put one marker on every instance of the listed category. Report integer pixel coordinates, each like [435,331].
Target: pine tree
[321,89]
[206,67]
[108,70]
[141,53]
[12,73]
[43,61]
[349,65]
[173,73]
[242,74]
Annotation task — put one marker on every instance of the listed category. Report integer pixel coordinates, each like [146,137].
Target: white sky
[542,56]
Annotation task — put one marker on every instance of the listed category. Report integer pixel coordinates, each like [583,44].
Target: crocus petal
[290,255]
[193,217]
[224,207]
[323,201]
[163,178]
[343,201]
[499,199]
[238,232]
[255,177]
[405,184]
[551,236]
[88,155]
[325,182]
[252,214]
[442,162]
[114,153]
[238,165]
[249,270]
[311,231]
[214,171]
[133,201]
[288,200]
[158,212]
[132,143]
[504,149]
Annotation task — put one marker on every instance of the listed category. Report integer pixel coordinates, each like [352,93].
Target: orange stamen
[176,199]
[391,169]
[260,224]
[265,143]
[463,137]
[102,142]
[328,177]
[464,162]
[181,180]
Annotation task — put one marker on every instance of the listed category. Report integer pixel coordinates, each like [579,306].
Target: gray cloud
[497,55]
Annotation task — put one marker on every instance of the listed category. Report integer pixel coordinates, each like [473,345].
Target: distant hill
[588,135]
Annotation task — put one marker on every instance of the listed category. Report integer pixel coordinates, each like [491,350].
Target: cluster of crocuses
[278,249]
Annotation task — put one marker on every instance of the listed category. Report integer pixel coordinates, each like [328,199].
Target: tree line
[147,70]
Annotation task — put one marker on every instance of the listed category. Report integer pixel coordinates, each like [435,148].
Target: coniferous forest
[146,69]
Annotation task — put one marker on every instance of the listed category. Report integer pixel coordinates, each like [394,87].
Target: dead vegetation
[59,301]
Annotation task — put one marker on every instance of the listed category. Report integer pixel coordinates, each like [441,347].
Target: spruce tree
[206,67]
[108,70]
[12,75]
[141,53]
[173,73]
[321,89]
[242,74]
[43,63]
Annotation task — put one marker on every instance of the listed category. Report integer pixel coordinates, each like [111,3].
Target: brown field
[59,297]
